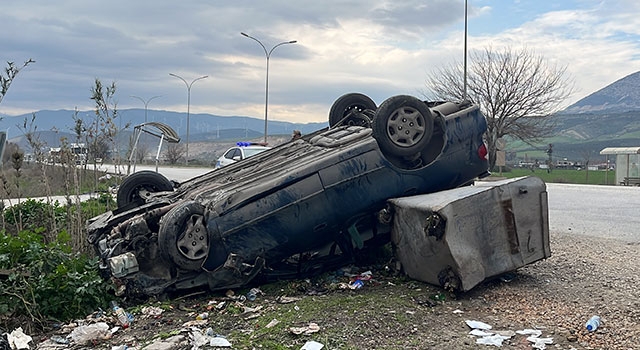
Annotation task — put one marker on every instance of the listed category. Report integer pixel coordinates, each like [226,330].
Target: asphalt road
[601,211]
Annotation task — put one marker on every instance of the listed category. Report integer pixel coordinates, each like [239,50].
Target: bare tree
[10,74]
[174,152]
[518,92]
[102,132]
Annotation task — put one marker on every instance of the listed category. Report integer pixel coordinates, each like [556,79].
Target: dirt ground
[585,276]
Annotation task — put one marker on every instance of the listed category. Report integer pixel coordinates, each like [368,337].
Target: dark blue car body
[323,193]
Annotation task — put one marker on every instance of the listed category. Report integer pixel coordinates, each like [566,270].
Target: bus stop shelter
[627,164]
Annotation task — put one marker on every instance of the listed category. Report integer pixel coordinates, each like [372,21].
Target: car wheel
[183,237]
[137,186]
[403,126]
[347,110]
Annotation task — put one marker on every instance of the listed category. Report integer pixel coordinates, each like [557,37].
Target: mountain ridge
[622,95]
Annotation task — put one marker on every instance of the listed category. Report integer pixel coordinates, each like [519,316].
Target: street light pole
[188,105]
[146,104]
[266,89]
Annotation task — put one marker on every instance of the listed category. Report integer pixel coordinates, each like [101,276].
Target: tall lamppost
[188,105]
[146,104]
[266,89]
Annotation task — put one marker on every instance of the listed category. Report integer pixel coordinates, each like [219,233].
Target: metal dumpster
[458,238]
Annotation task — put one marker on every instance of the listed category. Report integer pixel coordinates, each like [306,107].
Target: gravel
[585,276]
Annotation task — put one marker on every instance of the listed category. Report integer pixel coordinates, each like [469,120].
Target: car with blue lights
[302,207]
[242,150]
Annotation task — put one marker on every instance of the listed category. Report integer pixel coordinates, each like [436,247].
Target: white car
[241,151]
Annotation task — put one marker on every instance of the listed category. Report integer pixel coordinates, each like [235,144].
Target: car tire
[149,181]
[183,237]
[403,126]
[341,112]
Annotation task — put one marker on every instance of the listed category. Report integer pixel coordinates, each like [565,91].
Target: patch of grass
[376,308]
[595,177]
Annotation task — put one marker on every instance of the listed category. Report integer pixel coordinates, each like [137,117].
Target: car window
[232,153]
[248,152]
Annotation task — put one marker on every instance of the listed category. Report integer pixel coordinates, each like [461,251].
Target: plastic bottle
[593,323]
[122,316]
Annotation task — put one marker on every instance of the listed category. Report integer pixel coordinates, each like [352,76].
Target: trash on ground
[253,294]
[271,324]
[194,323]
[251,310]
[458,311]
[357,284]
[18,340]
[438,297]
[312,345]
[477,325]
[60,340]
[533,332]
[540,343]
[364,276]
[174,342]
[287,300]
[219,342]
[480,333]
[152,311]
[308,329]
[89,333]
[495,340]
[121,314]
[593,323]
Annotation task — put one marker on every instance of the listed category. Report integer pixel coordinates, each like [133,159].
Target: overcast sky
[377,47]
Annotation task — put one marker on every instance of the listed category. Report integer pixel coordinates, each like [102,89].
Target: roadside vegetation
[572,176]
[48,273]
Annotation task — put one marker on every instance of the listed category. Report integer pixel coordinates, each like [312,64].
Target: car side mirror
[236,158]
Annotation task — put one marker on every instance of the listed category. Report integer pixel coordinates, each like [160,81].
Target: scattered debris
[357,284]
[152,311]
[308,329]
[540,343]
[91,333]
[287,300]
[477,325]
[271,324]
[495,338]
[253,294]
[18,340]
[312,345]
[593,323]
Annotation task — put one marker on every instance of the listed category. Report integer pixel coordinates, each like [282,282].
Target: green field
[592,177]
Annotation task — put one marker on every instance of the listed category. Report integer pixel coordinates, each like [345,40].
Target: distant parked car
[240,151]
[304,206]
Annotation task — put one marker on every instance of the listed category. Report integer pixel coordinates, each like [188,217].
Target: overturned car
[298,208]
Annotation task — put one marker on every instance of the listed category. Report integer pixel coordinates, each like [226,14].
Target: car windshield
[253,151]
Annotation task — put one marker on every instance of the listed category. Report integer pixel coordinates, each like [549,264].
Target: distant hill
[622,95]
[609,117]
[202,127]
